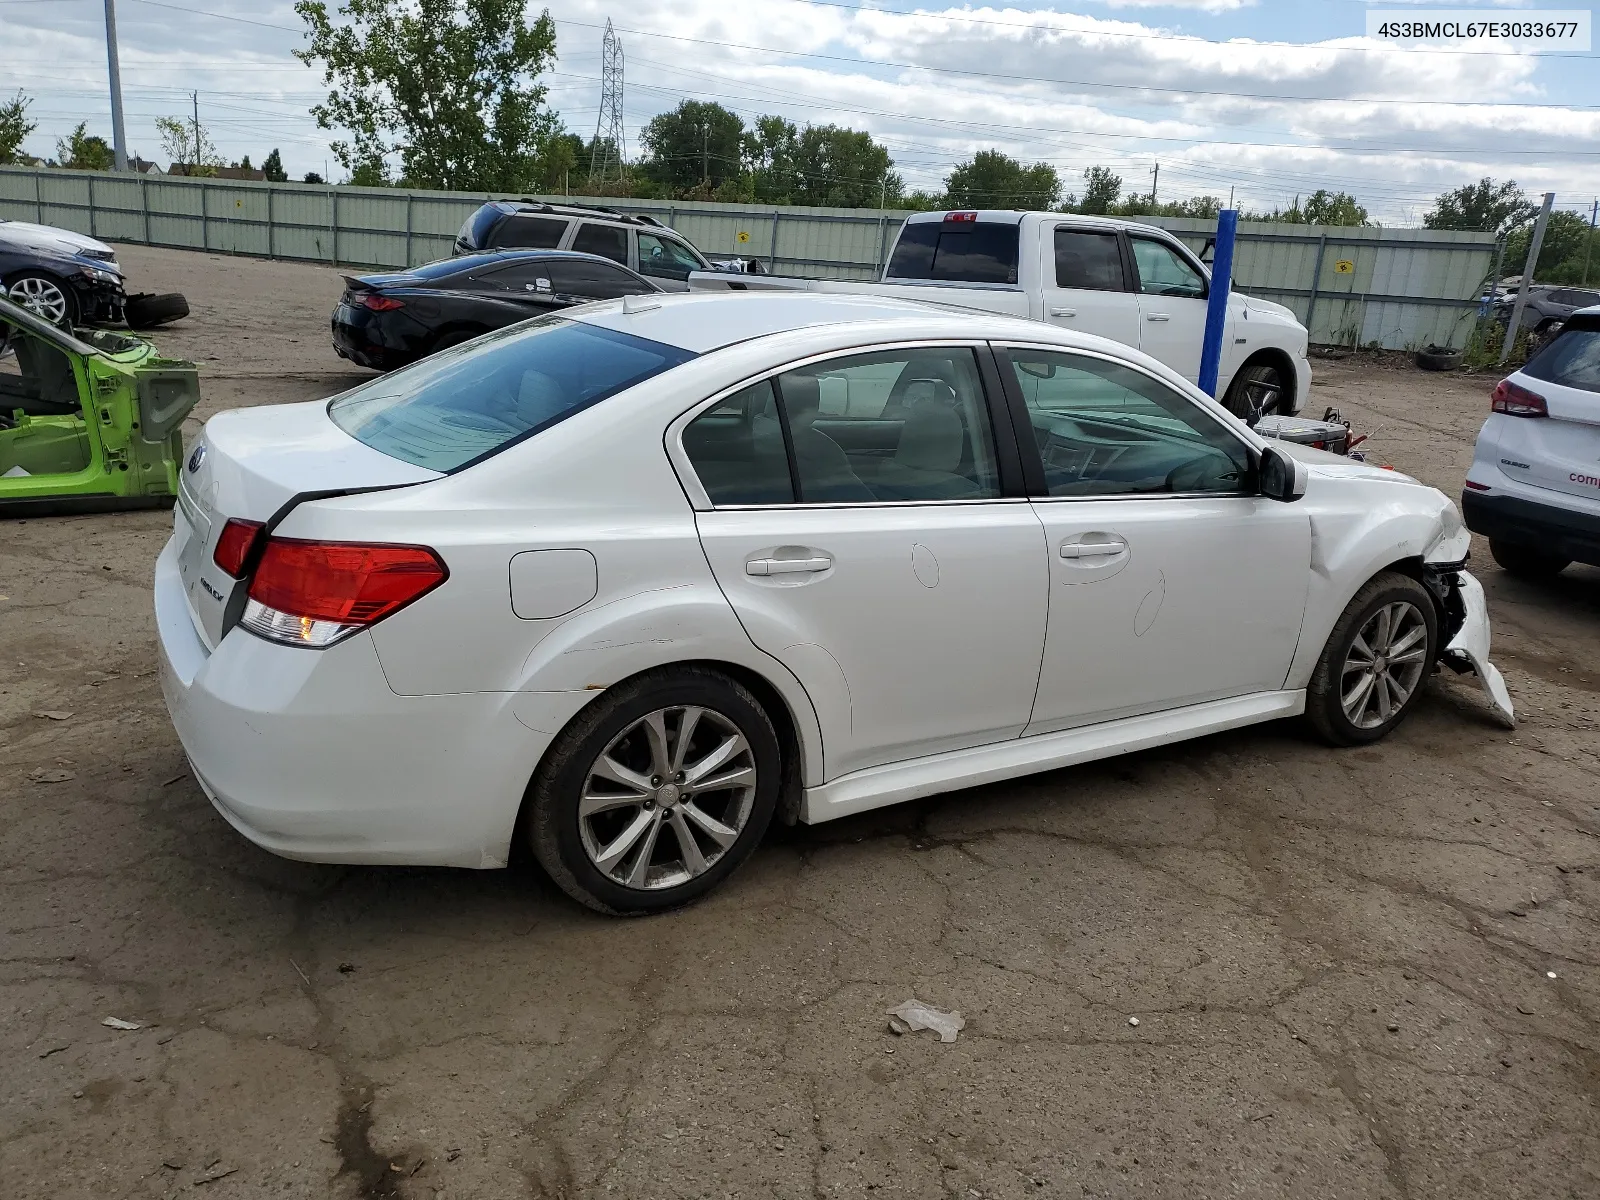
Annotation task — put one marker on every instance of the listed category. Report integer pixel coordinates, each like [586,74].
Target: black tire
[146,311]
[1525,562]
[69,301]
[1257,390]
[454,338]
[551,809]
[1438,358]
[1326,694]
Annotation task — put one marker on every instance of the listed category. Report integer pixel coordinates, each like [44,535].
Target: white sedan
[626,583]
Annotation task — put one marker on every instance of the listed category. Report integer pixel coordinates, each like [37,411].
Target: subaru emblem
[198,457]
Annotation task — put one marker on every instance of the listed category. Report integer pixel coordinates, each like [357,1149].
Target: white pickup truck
[1133,283]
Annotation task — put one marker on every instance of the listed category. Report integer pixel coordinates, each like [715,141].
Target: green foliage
[1564,235]
[80,151]
[313,177]
[1485,206]
[273,167]
[1322,207]
[991,179]
[695,146]
[14,127]
[447,85]
[186,142]
[1101,190]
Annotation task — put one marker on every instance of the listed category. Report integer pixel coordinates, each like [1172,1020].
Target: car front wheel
[1257,391]
[45,295]
[656,792]
[1377,657]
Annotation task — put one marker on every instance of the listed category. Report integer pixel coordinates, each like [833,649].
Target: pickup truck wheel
[1377,657]
[1527,563]
[1256,391]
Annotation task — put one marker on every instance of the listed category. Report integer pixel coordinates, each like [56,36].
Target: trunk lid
[252,463]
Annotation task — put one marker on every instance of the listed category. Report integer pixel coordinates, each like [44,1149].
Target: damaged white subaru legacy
[624,584]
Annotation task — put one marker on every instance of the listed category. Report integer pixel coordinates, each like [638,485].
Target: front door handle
[1157,317]
[786,566]
[1063,312]
[1092,549]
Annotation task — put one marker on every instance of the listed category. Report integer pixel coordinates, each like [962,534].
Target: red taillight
[234,544]
[379,303]
[1517,401]
[1477,487]
[961,216]
[314,593]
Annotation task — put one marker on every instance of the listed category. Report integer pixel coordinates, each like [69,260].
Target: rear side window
[605,240]
[593,280]
[1090,261]
[975,252]
[530,233]
[738,452]
[464,404]
[1572,360]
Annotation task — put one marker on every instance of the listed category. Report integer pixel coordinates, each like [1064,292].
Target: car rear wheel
[45,295]
[656,792]
[1256,391]
[1525,562]
[1377,657]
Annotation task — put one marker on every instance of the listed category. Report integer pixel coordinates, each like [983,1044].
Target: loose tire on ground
[1338,676]
[1256,391]
[146,311]
[1525,562]
[569,804]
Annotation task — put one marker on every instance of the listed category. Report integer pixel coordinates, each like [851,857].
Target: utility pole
[195,96]
[1155,178]
[1230,195]
[1588,245]
[705,152]
[1534,243]
[119,137]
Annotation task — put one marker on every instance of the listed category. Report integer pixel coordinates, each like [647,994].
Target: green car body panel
[89,419]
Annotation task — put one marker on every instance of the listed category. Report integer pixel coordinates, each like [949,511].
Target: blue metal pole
[1217,305]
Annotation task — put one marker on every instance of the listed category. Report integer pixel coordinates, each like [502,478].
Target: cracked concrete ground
[1367,973]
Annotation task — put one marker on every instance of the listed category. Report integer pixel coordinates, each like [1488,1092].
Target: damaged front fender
[1468,646]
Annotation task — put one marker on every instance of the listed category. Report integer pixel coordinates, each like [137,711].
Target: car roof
[592,212]
[467,262]
[1014,216]
[705,321]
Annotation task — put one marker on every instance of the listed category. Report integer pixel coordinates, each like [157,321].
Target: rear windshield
[475,231]
[1573,359]
[466,403]
[979,252]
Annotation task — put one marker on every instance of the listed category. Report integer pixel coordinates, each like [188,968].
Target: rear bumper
[1548,527]
[369,341]
[312,756]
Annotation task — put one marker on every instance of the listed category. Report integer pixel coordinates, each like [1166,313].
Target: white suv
[1534,486]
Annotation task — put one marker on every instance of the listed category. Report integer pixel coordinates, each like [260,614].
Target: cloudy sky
[1270,97]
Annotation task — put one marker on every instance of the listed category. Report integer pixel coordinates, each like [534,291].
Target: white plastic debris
[1550,974]
[914,1014]
[16,473]
[1134,1021]
[119,1023]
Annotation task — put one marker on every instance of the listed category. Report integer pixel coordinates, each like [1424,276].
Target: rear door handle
[1157,317]
[1092,549]
[1063,312]
[786,566]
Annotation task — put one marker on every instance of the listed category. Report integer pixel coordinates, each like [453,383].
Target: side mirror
[1282,477]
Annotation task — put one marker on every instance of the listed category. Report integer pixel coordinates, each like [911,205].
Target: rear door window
[464,404]
[530,233]
[1089,261]
[608,241]
[1573,359]
[965,252]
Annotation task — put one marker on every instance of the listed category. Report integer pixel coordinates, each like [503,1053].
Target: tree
[1486,206]
[81,151]
[1101,190]
[273,166]
[842,168]
[187,142]
[770,152]
[450,86]
[991,179]
[1564,235]
[313,177]
[1333,208]
[14,127]
[695,147]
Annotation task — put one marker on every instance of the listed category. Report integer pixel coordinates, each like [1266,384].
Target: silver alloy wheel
[1385,664]
[42,297]
[685,769]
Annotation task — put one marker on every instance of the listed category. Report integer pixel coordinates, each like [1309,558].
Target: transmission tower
[605,163]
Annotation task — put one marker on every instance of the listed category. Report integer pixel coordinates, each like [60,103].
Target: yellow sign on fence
[743,237]
[1344,266]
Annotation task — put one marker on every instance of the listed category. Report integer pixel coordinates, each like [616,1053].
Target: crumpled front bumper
[1469,649]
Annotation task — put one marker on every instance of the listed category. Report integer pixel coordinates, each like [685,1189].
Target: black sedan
[387,321]
[65,277]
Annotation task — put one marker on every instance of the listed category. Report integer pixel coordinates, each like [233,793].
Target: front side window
[1572,359]
[466,403]
[1090,261]
[1164,272]
[1104,429]
[608,241]
[666,257]
[905,425]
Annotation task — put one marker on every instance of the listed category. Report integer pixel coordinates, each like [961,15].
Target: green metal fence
[1392,287]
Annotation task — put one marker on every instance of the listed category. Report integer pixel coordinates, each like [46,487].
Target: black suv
[638,242]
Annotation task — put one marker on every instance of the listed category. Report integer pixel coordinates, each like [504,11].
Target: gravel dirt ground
[1360,973]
